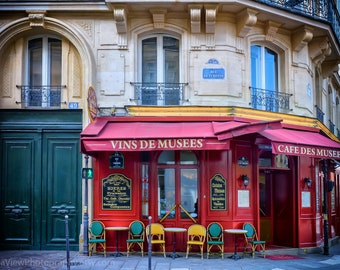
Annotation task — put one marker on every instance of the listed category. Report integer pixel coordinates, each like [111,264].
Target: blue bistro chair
[252,241]
[97,236]
[135,236]
[215,238]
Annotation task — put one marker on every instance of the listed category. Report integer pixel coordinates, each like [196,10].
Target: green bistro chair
[252,240]
[215,238]
[135,236]
[97,236]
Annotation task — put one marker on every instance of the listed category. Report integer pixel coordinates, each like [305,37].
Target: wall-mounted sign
[243,199]
[218,193]
[213,70]
[92,104]
[116,161]
[116,192]
[243,162]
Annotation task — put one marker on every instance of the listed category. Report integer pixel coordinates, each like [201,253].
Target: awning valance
[302,143]
[148,136]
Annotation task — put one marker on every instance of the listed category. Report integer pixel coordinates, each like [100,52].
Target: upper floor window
[264,78]
[44,61]
[159,71]
[43,87]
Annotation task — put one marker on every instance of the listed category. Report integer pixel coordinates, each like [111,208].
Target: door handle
[62,211]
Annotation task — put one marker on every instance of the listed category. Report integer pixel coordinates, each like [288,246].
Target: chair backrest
[157,231]
[215,230]
[136,228]
[97,228]
[197,232]
[251,232]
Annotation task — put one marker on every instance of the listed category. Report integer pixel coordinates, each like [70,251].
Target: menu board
[116,192]
[218,193]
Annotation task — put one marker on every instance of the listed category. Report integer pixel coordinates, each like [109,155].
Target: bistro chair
[215,238]
[135,236]
[97,236]
[252,241]
[196,237]
[155,231]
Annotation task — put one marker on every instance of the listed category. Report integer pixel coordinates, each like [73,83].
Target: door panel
[61,158]
[18,186]
[283,210]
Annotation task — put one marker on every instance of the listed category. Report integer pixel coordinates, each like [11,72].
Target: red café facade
[185,170]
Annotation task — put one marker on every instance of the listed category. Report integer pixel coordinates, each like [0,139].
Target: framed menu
[218,193]
[116,192]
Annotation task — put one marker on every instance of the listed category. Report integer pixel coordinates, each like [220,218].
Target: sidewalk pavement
[57,260]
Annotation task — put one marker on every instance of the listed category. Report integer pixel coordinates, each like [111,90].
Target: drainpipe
[325,209]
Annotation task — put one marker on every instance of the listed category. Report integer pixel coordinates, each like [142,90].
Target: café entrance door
[177,190]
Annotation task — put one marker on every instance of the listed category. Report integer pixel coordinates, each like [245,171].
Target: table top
[174,229]
[117,228]
[236,231]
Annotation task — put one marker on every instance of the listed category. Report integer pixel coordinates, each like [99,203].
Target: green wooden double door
[40,184]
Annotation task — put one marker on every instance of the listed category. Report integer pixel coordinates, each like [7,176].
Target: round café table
[174,230]
[235,232]
[117,229]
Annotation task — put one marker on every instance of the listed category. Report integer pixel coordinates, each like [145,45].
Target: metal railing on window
[41,96]
[319,114]
[162,94]
[269,100]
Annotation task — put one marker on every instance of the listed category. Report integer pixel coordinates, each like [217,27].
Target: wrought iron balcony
[41,96]
[162,94]
[269,100]
[324,10]
[319,114]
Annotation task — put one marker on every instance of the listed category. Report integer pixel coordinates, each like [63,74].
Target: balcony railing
[269,100]
[319,114]
[324,10]
[42,96]
[162,94]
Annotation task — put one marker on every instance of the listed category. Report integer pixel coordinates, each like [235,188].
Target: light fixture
[246,180]
[308,182]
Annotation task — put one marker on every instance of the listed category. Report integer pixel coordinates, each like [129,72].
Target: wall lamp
[245,180]
[308,182]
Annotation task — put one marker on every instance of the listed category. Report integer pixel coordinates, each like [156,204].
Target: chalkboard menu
[218,193]
[116,192]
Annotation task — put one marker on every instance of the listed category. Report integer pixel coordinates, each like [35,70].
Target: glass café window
[264,78]
[177,184]
[160,70]
[44,71]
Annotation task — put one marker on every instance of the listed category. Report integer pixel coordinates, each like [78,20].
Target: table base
[174,255]
[117,254]
[235,257]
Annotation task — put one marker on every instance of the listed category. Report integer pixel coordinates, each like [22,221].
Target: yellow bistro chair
[135,236]
[97,236]
[252,241]
[215,238]
[156,232]
[196,236]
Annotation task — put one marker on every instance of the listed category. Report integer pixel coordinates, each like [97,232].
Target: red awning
[103,135]
[302,143]
[228,130]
